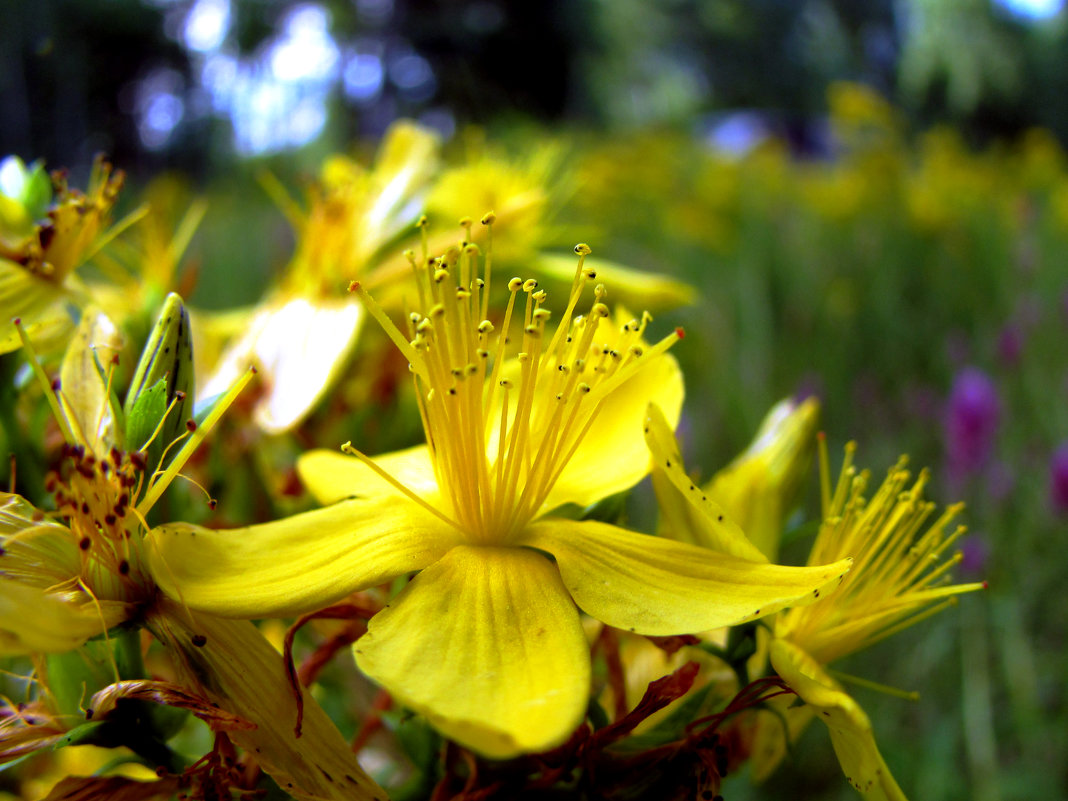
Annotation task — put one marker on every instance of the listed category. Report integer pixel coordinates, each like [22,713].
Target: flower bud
[162,387]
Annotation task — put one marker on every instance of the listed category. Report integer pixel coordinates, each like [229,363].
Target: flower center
[501,430]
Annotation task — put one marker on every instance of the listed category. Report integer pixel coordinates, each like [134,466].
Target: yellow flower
[486,640]
[300,336]
[75,573]
[899,577]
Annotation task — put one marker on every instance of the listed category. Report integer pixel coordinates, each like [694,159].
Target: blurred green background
[871,199]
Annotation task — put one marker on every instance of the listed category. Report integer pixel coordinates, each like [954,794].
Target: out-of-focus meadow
[885,228]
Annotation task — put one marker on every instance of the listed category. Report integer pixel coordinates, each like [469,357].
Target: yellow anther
[440,275]
[471,249]
[423,221]
[541,314]
[489,218]
[599,310]
[584,388]
[424,326]
[530,285]
[582,249]
[589,273]
[506,383]
[515,284]
[437,310]
[532,330]
[523,357]
[466,222]
[482,353]
[485,327]
[540,296]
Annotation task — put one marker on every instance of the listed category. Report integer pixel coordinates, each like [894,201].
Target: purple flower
[1058,478]
[972,413]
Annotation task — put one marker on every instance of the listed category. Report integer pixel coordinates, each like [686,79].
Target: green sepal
[143,418]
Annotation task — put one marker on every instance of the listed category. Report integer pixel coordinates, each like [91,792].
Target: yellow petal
[850,728]
[300,347]
[693,515]
[613,456]
[231,663]
[33,620]
[761,486]
[83,387]
[298,563]
[487,644]
[333,476]
[656,586]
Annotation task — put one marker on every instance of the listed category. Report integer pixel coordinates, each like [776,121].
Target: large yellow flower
[486,640]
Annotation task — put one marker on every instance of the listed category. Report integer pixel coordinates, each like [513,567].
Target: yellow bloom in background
[899,577]
[525,194]
[75,573]
[300,336]
[486,640]
[36,270]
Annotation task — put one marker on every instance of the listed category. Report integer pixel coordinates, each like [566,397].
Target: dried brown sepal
[160,692]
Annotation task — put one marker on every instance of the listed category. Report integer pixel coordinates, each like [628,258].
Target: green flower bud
[159,404]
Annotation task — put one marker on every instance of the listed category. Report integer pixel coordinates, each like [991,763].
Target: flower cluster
[514,629]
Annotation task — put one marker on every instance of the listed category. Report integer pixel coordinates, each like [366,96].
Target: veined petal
[298,563]
[487,644]
[850,728]
[333,476]
[300,346]
[32,620]
[232,663]
[83,384]
[694,516]
[613,456]
[656,586]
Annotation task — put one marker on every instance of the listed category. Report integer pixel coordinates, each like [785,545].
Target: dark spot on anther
[668,463]
[191,425]
[719,518]
[110,520]
[85,543]
[89,714]
[199,640]
[85,508]
[180,395]
[56,384]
